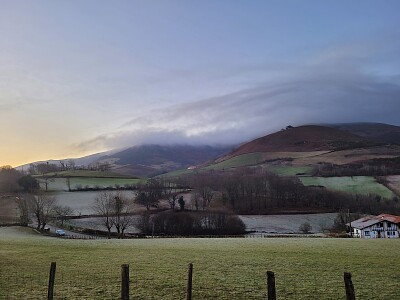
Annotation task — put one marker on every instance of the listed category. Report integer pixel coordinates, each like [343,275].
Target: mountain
[304,139]
[379,132]
[151,160]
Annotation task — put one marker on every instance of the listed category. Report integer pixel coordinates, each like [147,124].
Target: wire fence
[107,284]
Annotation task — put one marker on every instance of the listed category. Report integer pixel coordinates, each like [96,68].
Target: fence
[59,287]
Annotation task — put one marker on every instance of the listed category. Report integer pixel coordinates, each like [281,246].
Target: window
[366,233]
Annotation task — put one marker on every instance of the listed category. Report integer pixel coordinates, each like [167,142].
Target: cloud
[328,89]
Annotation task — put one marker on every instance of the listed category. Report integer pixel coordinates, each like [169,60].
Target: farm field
[305,268]
[287,223]
[279,224]
[238,161]
[363,185]
[60,183]
[82,202]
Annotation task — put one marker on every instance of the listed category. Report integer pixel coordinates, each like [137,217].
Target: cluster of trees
[65,165]
[254,190]
[375,167]
[191,223]
[30,199]
[115,210]
[13,181]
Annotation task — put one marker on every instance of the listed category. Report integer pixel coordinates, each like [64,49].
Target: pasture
[305,268]
[363,185]
[60,183]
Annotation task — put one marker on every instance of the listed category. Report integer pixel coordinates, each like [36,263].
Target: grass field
[60,183]
[363,185]
[238,161]
[87,173]
[223,268]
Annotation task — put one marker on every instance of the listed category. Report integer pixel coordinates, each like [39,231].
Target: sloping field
[238,161]
[223,268]
[394,183]
[349,156]
[363,185]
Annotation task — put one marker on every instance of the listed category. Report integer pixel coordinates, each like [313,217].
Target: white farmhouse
[382,226]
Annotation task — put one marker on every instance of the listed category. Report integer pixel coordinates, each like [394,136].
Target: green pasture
[60,183]
[363,185]
[238,161]
[87,173]
[305,268]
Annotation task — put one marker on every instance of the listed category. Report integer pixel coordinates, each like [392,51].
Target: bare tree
[104,208]
[61,212]
[43,208]
[23,207]
[149,194]
[121,213]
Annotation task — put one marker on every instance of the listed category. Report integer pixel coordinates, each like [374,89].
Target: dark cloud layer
[329,91]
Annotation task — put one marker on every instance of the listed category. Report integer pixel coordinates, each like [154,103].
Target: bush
[190,223]
[305,227]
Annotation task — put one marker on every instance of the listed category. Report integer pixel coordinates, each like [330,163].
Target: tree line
[257,191]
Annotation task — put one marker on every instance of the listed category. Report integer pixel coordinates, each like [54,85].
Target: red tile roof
[390,218]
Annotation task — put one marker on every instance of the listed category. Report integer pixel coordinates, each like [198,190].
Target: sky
[80,77]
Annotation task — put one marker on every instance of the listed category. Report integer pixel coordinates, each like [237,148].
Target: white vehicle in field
[60,232]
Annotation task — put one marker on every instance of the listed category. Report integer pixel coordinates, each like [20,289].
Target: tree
[181,203]
[28,183]
[9,179]
[43,208]
[305,227]
[121,209]
[149,194]
[104,208]
[23,207]
[61,212]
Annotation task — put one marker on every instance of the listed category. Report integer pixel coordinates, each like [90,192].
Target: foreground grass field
[223,268]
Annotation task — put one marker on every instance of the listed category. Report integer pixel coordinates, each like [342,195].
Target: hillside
[379,132]
[303,139]
[151,160]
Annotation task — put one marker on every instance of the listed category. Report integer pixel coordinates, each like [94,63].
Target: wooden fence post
[348,284]
[52,278]
[125,282]
[189,282]
[271,285]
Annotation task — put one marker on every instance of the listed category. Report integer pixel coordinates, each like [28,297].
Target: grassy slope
[223,268]
[363,185]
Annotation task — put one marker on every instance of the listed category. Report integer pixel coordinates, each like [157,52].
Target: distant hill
[379,132]
[304,139]
[151,160]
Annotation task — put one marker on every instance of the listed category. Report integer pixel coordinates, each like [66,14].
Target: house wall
[382,229]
